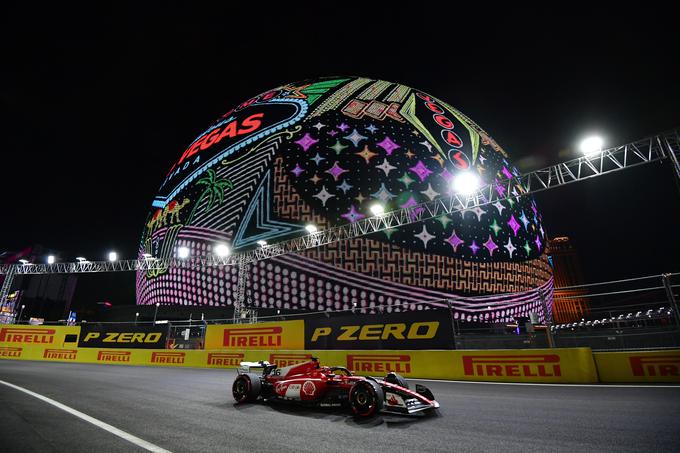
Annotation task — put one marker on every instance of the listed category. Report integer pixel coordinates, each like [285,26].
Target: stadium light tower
[221,250]
[377,209]
[466,183]
[592,145]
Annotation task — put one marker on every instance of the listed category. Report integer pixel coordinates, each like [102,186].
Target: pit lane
[188,409]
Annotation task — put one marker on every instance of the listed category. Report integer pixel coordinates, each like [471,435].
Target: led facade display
[322,152]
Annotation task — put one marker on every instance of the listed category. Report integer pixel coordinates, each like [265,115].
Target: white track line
[105,426]
[650,386]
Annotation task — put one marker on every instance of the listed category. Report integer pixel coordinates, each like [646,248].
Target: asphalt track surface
[189,409]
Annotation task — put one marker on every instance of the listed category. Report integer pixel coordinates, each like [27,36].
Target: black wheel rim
[240,389]
[364,401]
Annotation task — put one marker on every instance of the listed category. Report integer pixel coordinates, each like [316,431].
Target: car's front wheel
[246,387]
[366,398]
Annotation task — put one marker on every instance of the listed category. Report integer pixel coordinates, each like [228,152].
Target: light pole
[136,316]
[20,313]
[155,313]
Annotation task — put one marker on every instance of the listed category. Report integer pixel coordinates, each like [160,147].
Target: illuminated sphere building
[322,152]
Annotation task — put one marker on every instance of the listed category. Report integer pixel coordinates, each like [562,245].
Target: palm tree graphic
[213,191]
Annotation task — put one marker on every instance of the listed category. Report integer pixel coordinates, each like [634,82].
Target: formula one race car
[311,384]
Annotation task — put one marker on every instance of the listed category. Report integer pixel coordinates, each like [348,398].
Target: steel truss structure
[657,148]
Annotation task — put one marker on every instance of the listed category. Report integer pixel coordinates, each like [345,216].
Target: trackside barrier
[567,365]
[647,366]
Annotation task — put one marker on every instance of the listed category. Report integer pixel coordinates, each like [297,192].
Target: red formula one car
[322,386]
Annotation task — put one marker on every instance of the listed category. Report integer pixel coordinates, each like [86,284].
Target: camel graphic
[169,214]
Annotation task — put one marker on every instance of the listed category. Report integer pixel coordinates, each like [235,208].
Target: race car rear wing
[253,367]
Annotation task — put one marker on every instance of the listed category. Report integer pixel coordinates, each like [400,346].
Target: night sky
[96,105]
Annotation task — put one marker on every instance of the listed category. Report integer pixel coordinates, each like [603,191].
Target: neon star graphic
[455,241]
[383,194]
[317,159]
[506,173]
[430,192]
[477,211]
[386,167]
[439,159]
[306,142]
[527,247]
[538,243]
[474,247]
[360,198]
[495,228]
[371,128]
[490,246]
[482,158]
[315,179]
[421,170]
[513,224]
[298,170]
[499,206]
[509,247]
[406,180]
[499,188]
[343,127]
[336,171]
[424,236]
[319,125]
[444,220]
[338,147]
[388,145]
[427,145]
[332,132]
[389,232]
[323,195]
[353,215]
[524,220]
[345,187]
[447,176]
[410,154]
[355,137]
[367,154]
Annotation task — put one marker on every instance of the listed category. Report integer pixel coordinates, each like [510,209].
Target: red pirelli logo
[668,365]
[379,363]
[10,352]
[114,356]
[263,337]
[61,354]
[543,365]
[23,335]
[225,358]
[283,360]
[171,358]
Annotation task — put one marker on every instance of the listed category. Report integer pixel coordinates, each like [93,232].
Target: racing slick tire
[246,388]
[366,398]
[397,379]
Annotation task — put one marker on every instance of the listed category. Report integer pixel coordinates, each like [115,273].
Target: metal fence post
[453,324]
[546,320]
[671,298]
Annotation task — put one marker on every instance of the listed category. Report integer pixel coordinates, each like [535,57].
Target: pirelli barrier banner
[536,365]
[265,335]
[122,336]
[52,336]
[429,329]
[647,366]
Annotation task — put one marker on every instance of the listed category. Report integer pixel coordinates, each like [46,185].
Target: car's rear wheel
[396,379]
[246,387]
[366,398]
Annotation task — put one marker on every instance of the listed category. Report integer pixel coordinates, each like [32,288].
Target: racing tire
[366,398]
[246,388]
[396,379]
